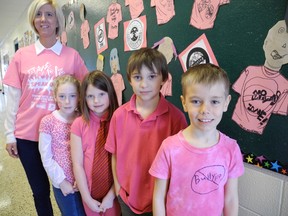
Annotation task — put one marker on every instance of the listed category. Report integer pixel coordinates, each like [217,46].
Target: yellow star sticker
[249,159]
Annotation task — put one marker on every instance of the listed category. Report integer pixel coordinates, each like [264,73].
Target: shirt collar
[162,107]
[56,48]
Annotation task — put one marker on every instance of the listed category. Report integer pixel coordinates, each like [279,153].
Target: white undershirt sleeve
[13,99]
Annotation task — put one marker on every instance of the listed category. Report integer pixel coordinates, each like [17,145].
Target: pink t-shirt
[59,132]
[204,13]
[164,10]
[135,6]
[262,93]
[196,176]
[135,143]
[34,75]
[88,135]
[114,16]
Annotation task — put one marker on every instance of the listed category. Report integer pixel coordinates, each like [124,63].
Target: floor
[15,194]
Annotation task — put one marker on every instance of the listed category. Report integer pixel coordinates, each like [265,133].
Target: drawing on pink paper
[116,77]
[135,34]
[164,10]
[85,34]
[136,7]
[198,52]
[71,20]
[100,36]
[263,90]
[114,16]
[167,48]
[85,29]
[204,13]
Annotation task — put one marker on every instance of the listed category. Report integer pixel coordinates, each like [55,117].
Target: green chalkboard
[236,40]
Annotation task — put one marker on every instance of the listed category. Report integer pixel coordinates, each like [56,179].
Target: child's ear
[183,103]
[227,101]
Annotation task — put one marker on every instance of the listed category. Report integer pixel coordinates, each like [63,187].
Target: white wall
[263,192]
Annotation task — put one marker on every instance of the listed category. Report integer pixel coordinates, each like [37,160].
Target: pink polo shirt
[88,135]
[135,143]
[33,72]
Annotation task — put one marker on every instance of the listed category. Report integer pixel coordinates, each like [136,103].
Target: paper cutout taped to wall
[167,48]
[116,77]
[263,90]
[135,34]
[136,7]
[198,52]
[164,10]
[100,36]
[114,16]
[204,13]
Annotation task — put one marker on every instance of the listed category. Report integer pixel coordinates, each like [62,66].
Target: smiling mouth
[205,120]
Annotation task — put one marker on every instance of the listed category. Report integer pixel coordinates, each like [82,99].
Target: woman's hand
[12,150]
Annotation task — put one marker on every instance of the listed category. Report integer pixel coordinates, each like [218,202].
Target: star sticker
[275,166]
[249,159]
[267,164]
[284,171]
[260,158]
[259,165]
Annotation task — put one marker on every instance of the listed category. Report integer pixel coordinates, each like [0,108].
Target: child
[137,130]
[197,169]
[98,102]
[54,145]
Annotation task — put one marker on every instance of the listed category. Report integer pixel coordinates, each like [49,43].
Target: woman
[29,79]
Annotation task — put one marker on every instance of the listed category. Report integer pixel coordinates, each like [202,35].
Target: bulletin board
[236,39]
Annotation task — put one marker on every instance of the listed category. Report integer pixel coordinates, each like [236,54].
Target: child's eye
[89,96]
[195,102]
[215,102]
[73,96]
[61,96]
[102,94]
[38,14]
[50,14]
[152,76]
[136,77]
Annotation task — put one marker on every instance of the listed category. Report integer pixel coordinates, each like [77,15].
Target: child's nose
[204,108]
[67,100]
[143,83]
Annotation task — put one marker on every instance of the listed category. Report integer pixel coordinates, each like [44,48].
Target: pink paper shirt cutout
[119,86]
[204,13]
[262,92]
[85,33]
[64,38]
[136,7]
[164,10]
[114,16]
[166,89]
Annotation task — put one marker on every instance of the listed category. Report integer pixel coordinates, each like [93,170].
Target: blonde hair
[207,74]
[34,8]
[66,78]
